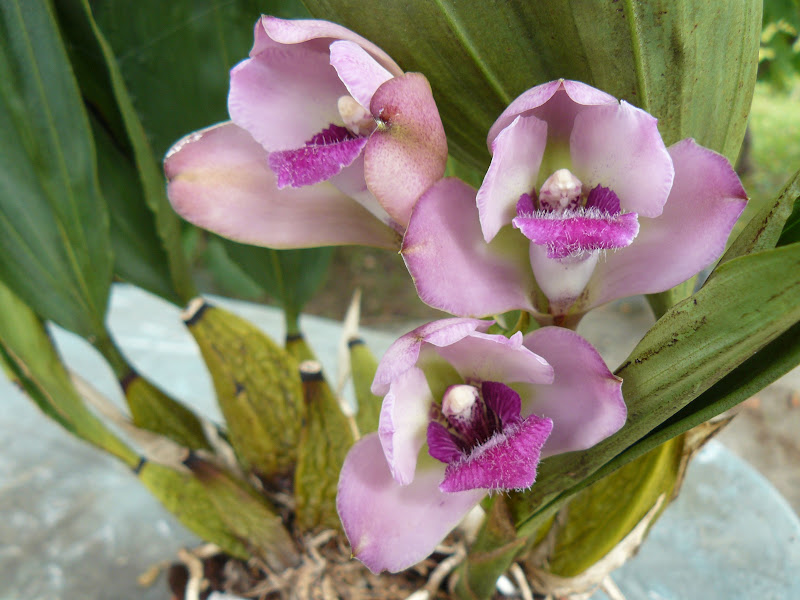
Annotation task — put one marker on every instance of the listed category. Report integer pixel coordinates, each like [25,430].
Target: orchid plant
[522,187]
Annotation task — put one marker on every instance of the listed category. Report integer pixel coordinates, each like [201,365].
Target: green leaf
[661,302]
[769,226]
[290,276]
[791,229]
[258,388]
[99,73]
[690,63]
[364,365]
[175,57]
[55,250]
[139,256]
[769,364]
[693,346]
[228,275]
[28,352]
[491,554]
[604,513]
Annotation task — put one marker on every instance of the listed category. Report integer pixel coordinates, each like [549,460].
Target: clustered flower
[331,143]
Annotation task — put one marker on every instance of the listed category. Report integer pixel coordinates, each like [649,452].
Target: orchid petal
[516,156]
[407,153]
[558,111]
[585,399]
[284,95]
[507,461]
[454,269]
[441,444]
[704,204]
[351,183]
[219,180]
[359,72]
[298,31]
[620,147]
[322,157]
[525,205]
[562,280]
[603,199]
[494,357]
[404,423]
[393,527]
[502,400]
[404,352]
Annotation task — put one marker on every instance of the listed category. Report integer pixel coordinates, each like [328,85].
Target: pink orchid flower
[329,143]
[466,413]
[582,204]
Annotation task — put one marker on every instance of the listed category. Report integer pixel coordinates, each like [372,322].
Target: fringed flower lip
[582,204]
[465,413]
[329,143]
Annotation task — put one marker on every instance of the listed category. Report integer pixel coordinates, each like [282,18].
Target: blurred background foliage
[779,55]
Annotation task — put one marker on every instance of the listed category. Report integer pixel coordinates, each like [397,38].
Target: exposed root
[197,582]
[522,582]
[326,572]
[611,589]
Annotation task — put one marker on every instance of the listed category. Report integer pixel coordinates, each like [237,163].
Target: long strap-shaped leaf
[54,244]
[693,346]
[691,63]
[102,73]
[30,357]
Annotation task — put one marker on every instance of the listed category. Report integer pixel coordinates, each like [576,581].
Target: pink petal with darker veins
[525,206]
[502,400]
[507,461]
[604,200]
[441,444]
